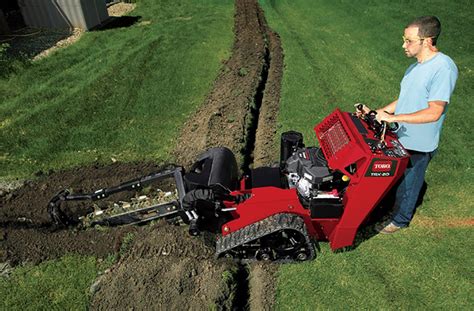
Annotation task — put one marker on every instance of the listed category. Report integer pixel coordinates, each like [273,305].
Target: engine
[319,188]
[308,172]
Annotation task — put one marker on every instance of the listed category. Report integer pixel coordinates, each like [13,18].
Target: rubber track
[262,228]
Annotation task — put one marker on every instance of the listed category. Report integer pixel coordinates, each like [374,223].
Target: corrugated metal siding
[101,7]
[98,10]
[57,18]
[63,13]
[75,13]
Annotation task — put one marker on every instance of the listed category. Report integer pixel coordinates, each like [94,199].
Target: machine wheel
[280,238]
[264,255]
[302,255]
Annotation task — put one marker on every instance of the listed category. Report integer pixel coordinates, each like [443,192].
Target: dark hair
[428,26]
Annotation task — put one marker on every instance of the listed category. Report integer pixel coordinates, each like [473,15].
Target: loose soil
[27,233]
[166,270]
[224,117]
[164,267]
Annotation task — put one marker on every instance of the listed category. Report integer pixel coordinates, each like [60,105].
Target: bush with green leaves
[3,58]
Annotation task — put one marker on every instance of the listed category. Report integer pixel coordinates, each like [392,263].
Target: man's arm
[390,108]
[431,114]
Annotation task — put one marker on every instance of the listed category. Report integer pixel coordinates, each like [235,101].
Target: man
[420,111]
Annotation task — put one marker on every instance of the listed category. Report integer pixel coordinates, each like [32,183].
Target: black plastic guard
[215,166]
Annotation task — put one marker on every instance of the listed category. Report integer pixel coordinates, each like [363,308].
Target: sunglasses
[409,41]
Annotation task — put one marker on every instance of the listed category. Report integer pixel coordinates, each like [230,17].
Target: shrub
[10,64]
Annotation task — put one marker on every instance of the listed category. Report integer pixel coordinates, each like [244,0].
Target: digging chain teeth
[243,240]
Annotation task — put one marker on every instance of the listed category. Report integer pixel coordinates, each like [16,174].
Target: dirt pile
[223,118]
[266,150]
[164,267]
[27,233]
[166,270]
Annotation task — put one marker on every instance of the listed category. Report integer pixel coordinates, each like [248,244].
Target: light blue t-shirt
[432,80]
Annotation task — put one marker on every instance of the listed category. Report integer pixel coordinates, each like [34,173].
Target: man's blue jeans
[410,187]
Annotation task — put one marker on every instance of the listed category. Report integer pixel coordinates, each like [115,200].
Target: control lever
[361,110]
[382,136]
[393,126]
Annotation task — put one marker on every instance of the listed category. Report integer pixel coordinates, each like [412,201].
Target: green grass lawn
[62,284]
[341,52]
[121,93]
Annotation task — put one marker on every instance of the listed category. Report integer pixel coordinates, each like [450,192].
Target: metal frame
[133,217]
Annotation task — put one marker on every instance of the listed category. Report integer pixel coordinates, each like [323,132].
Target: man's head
[420,34]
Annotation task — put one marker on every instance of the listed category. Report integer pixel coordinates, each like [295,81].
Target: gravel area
[120,9]
[74,35]
[34,43]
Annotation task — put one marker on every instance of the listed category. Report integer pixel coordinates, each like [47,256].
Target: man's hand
[360,112]
[383,116]
[431,114]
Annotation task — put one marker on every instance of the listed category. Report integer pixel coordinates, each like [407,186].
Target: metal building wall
[83,14]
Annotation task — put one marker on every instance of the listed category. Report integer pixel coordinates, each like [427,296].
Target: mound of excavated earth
[165,268]
[27,233]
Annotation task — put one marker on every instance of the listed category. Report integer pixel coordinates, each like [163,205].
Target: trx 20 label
[381,168]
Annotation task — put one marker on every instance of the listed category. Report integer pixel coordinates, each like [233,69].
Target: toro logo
[381,168]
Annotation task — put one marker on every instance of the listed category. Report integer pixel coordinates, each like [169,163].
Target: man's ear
[429,41]
[429,44]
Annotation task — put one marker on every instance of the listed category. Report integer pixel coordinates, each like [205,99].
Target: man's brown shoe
[389,229]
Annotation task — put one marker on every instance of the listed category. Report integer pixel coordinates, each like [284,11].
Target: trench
[242,294]
[254,114]
[242,277]
[242,289]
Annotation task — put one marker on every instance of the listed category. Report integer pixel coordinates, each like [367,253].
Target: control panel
[380,138]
